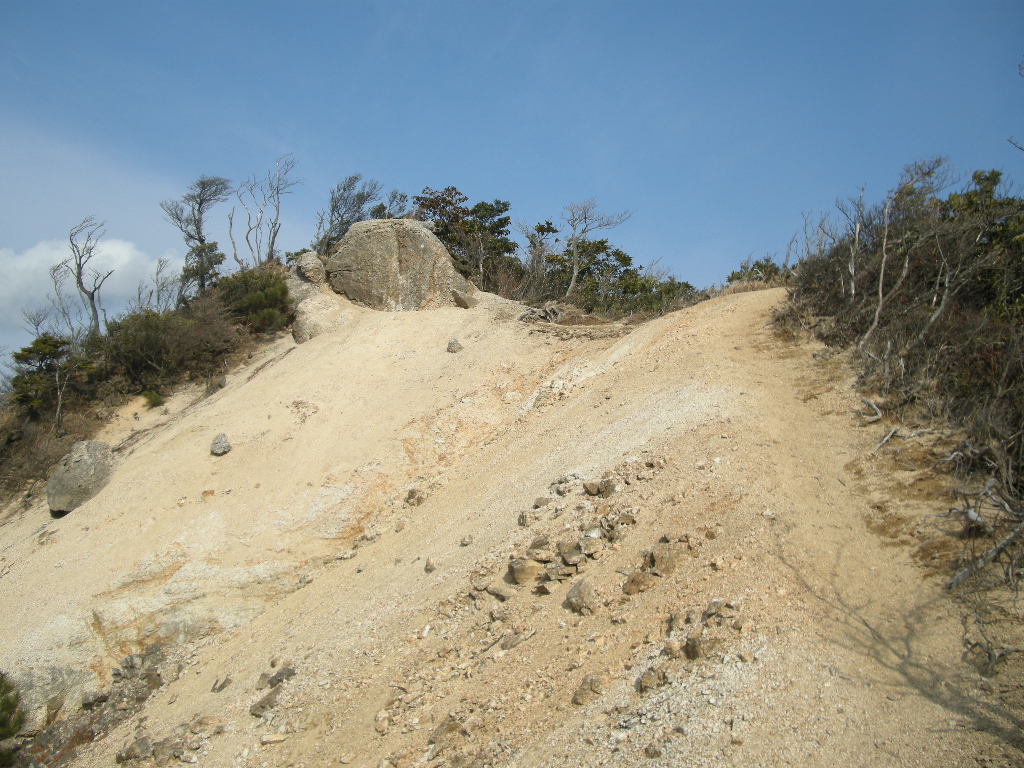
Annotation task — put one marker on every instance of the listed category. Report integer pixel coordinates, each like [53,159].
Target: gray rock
[310,268]
[638,581]
[220,445]
[589,689]
[464,300]
[393,265]
[582,598]
[79,476]
[523,571]
[137,749]
[655,677]
[454,346]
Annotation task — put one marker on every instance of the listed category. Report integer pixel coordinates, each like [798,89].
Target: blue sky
[717,124]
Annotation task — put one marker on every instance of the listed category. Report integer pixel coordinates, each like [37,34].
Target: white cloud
[25,282]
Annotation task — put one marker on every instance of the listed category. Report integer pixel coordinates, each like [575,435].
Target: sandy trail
[831,643]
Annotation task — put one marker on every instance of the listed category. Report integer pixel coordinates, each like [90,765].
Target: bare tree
[919,179]
[538,250]
[349,202]
[260,199]
[582,219]
[189,213]
[83,239]
[158,294]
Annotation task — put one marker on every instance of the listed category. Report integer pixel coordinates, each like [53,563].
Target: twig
[875,408]
[886,439]
[985,559]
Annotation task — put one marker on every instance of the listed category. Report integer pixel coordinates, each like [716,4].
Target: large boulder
[394,265]
[79,476]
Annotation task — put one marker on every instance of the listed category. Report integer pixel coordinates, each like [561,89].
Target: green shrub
[11,716]
[153,399]
[46,370]
[149,349]
[257,297]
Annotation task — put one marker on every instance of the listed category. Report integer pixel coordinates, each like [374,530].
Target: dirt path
[747,516]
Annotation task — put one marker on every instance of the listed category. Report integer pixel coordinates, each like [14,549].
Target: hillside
[360,530]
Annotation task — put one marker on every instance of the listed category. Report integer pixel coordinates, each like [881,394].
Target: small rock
[266,703]
[582,598]
[541,501]
[138,749]
[272,738]
[415,497]
[430,566]
[662,559]
[220,445]
[381,722]
[445,728]
[464,300]
[589,689]
[694,645]
[454,346]
[523,570]
[499,591]
[652,750]
[638,581]
[466,541]
[673,649]
[655,677]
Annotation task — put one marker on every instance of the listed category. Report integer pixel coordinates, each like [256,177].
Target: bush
[153,399]
[11,717]
[257,297]
[149,349]
[931,292]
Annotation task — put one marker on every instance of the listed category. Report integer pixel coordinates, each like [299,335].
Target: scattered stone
[415,497]
[272,738]
[445,728]
[638,581]
[570,552]
[589,546]
[582,598]
[694,645]
[673,649]
[526,519]
[523,570]
[81,474]
[381,722]
[464,299]
[220,445]
[603,488]
[466,541]
[499,591]
[219,685]
[167,751]
[430,566]
[454,346]
[590,688]
[655,677]
[137,749]
[266,702]
[662,559]
[541,501]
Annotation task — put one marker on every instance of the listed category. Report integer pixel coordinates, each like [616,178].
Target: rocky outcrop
[317,308]
[79,476]
[394,265]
